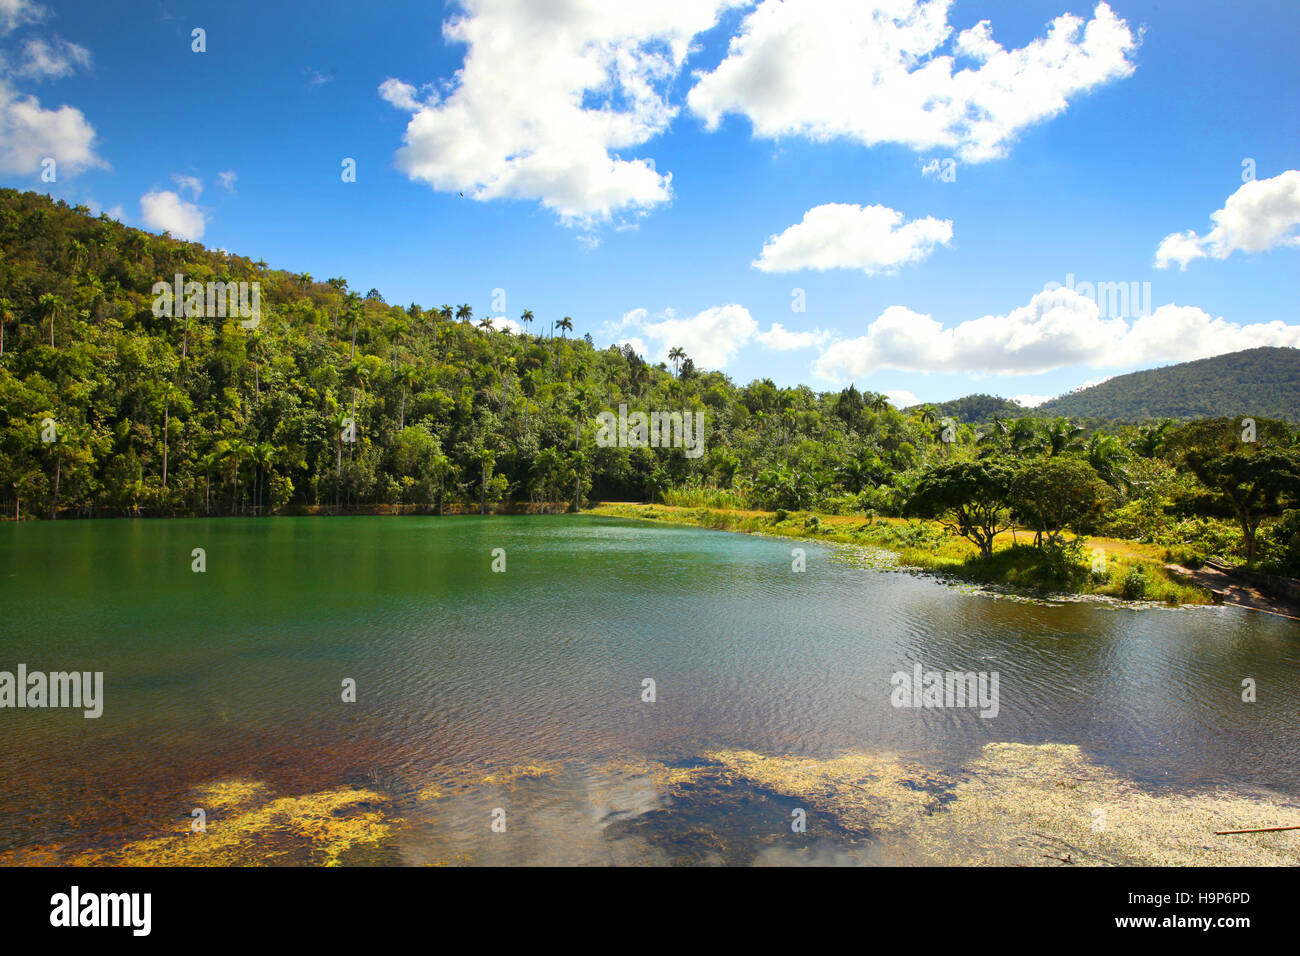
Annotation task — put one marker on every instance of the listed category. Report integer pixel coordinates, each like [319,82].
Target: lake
[499,716]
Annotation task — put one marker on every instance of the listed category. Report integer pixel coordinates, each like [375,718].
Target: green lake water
[236,673]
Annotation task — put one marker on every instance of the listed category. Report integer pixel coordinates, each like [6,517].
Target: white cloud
[873,71]
[227,179]
[52,59]
[845,236]
[1179,247]
[192,183]
[1058,328]
[901,398]
[549,95]
[29,134]
[1031,401]
[710,338]
[780,339]
[1260,215]
[165,211]
[402,95]
[15,13]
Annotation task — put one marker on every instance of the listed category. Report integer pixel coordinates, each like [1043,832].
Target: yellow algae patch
[660,774]
[1029,805]
[459,780]
[227,794]
[864,791]
[316,828]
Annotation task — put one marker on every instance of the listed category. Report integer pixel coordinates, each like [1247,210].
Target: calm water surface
[236,672]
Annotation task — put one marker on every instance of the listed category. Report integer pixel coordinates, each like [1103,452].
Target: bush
[1135,584]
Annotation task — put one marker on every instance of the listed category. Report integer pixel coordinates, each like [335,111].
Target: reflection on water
[462,674]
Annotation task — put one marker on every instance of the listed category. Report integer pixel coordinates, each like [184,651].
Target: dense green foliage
[972,409]
[338,401]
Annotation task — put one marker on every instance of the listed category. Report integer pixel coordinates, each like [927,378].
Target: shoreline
[921,546]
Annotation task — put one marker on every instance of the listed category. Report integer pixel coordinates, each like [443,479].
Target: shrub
[1135,584]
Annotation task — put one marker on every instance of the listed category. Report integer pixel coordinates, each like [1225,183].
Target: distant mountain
[1263,382]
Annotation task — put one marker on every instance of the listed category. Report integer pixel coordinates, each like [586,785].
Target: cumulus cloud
[1260,215]
[780,339]
[901,398]
[166,211]
[710,338]
[51,59]
[1031,401]
[29,133]
[549,95]
[1058,328]
[843,236]
[874,71]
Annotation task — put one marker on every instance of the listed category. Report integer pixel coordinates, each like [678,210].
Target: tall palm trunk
[58,470]
[166,420]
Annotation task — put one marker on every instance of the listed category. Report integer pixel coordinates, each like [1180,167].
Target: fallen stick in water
[1255,830]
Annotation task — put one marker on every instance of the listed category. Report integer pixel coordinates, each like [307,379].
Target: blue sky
[1077,149]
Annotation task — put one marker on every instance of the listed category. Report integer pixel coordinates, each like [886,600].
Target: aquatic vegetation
[315,828]
[1028,805]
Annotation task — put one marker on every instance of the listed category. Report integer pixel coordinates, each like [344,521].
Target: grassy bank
[1133,571]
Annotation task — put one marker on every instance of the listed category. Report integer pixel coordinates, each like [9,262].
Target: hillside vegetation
[1263,381]
[334,401]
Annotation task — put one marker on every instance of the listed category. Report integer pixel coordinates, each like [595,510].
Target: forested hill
[1263,381]
[115,402]
[980,409]
[338,399]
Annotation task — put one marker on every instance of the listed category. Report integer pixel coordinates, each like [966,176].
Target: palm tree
[464,313]
[60,440]
[357,376]
[857,473]
[169,392]
[677,355]
[485,323]
[879,403]
[527,318]
[441,468]
[1107,456]
[1062,435]
[564,325]
[236,453]
[487,460]
[263,454]
[407,375]
[1026,437]
[51,305]
[340,423]
[208,463]
[1152,439]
